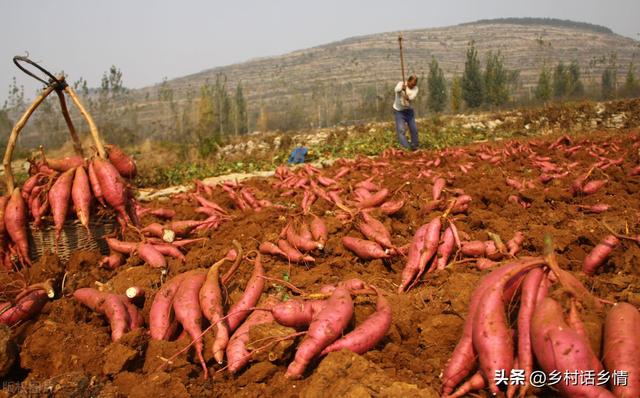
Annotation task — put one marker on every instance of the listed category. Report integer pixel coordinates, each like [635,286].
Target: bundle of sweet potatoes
[543,335]
[55,186]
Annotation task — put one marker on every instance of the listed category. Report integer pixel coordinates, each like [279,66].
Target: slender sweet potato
[65,164]
[121,161]
[492,338]
[81,196]
[392,206]
[464,357]
[413,257]
[527,306]
[365,249]
[461,204]
[474,248]
[297,313]
[622,347]
[160,316]
[558,347]
[593,186]
[300,242]
[319,231]
[374,200]
[292,254]
[121,247]
[376,230]
[151,255]
[599,254]
[445,249]
[210,297]
[325,328]
[112,186]
[366,335]
[237,354]
[170,250]
[431,241]
[515,243]
[438,186]
[186,306]
[270,248]
[475,382]
[112,261]
[95,184]
[252,292]
[26,308]
[108,304]
[15,223]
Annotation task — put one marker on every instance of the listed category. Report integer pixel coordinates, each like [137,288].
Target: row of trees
[206,114]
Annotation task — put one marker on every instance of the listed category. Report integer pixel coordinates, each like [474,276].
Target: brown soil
[67,349]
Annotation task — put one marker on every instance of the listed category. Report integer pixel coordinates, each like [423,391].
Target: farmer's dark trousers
[407,116]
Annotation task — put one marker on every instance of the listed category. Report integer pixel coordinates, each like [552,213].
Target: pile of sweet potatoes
[55,186]
[488,349]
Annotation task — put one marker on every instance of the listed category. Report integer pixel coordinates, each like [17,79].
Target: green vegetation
[437,87]
[543,89]
[496,80]
[472,81]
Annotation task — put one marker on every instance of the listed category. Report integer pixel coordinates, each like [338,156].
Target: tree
[608,83]
[262,124]
[472,84]
[437,87]
[560,81]
[496,80]
[543,89]
[206,131]
[15,97]
[456,94]
[576,88]
[631,84]
[241,111]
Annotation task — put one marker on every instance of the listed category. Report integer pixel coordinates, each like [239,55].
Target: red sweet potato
[300,242]
[599,254]
[292,254]
[392,206]
[252,292]
[325,328]
[121,247]
[151,255]
[170,250]
[527,306]
[593,186]
[438,186]
[160,316]
[474,248]
[65,164]
[365,249]
[514,245]
[622,347]
[186,306]
[121,161]
[374,200]
[210,297]
[366,335]
[431,241]
[113,187]
[375,230]
[26,308]
[558,347]
[416,248]
[81,196]
[445,249]
[237,354]
[464,357]
[108,304]
[113,261]
[59,199]
[15,223]
[319,231]
[95,184]
[297,313]
[270,248]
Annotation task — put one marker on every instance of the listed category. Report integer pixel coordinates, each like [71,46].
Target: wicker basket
[74,236]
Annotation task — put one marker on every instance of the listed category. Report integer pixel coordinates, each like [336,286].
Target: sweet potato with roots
[186,306]
[292,254]
[431,243]
[599,254]
[210,297]
[252,292]
[366,335]
[622,347]
[237,354]
[121,161]
[325,328]
[81,196]
[558,347]
[95,184]
[24,309]
[151,255]
[112,306]
[375,230]
[297,313]
[112,186]
[15,223]
[365,249]
[319,231]
[65,164]
[59,196]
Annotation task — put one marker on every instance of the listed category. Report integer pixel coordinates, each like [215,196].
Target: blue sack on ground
[297,155]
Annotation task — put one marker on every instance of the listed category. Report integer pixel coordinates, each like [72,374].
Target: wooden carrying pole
[401,59]
[92,125]
[13,138]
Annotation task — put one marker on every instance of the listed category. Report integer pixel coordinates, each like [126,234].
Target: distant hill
[358,71]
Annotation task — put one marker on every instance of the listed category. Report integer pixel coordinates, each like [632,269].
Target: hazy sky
[149,40]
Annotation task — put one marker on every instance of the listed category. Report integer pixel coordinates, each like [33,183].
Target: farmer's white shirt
[401,104]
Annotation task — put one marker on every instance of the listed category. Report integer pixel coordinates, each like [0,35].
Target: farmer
[298,154]
[405,93]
